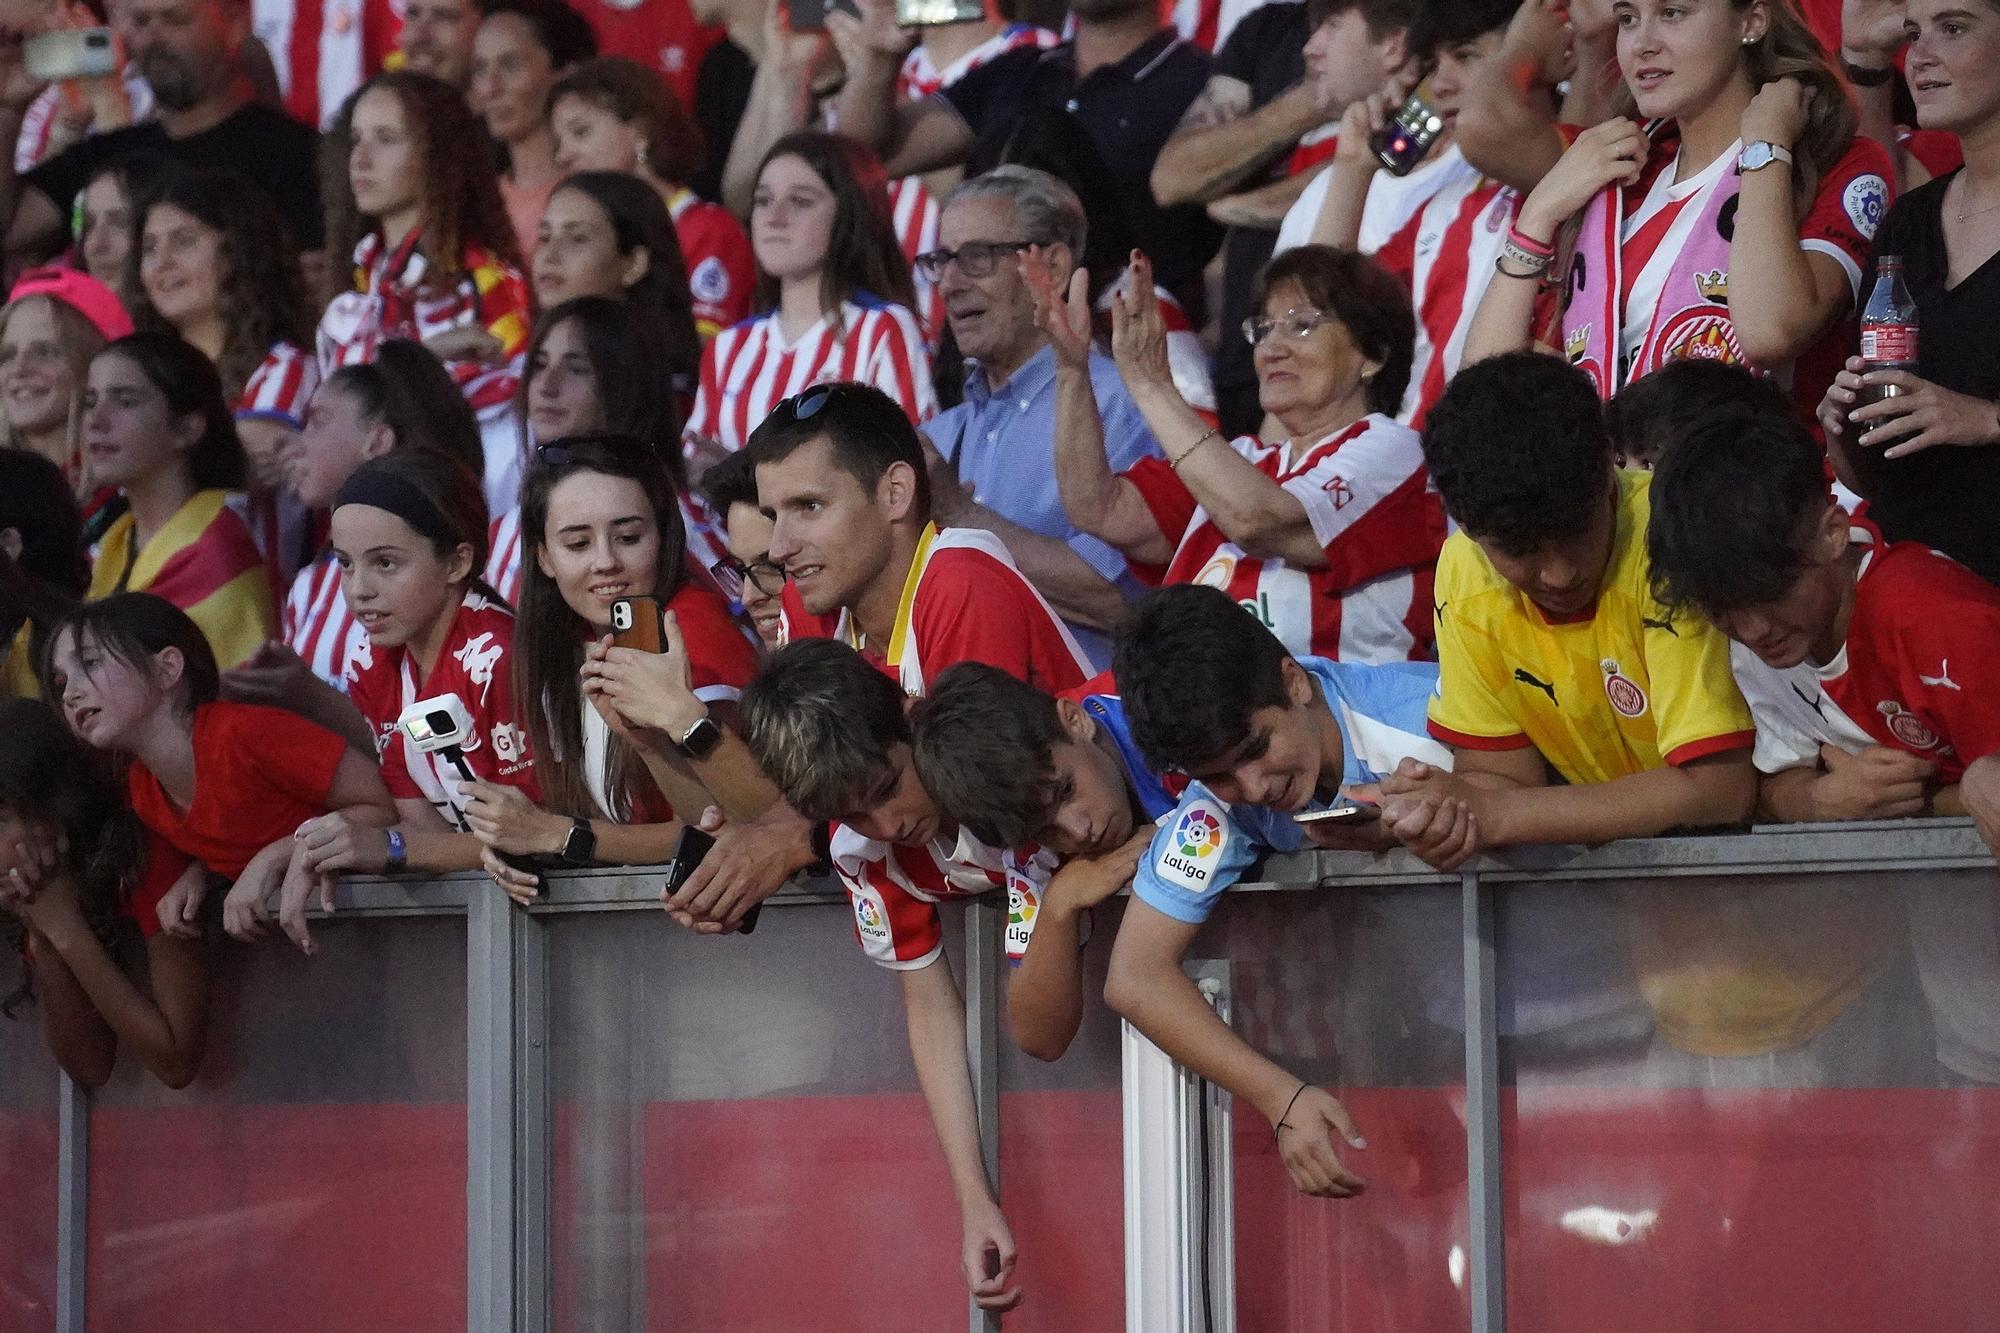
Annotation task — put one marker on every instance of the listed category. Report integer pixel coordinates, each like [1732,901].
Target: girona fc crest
[1907,727]
[1700,333]
[1624,693]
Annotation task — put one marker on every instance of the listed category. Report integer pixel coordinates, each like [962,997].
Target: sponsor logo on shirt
[1221,568]
[1341,492]
[1525,677]
[1910,729]
[1627,699]
[1865,199]
[478,656]
[510,744]
[1188,858]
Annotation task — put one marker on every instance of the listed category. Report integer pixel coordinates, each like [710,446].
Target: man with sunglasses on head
[841,471]
[994,460]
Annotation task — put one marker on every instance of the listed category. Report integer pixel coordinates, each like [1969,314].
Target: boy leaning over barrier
[1211,694]
[829,728]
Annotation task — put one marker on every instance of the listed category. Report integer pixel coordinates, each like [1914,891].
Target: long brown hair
[260,293]
[1789,50]
[461,205]
[671,144]
[549,637]
[627,350]
[862,254]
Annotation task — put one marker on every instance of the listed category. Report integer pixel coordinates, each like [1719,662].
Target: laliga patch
[1023,906]
[1193,848]
[1627,699]
[870,920]
[1865,199]
[710,281]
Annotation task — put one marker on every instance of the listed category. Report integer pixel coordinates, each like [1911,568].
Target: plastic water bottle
[1888,328]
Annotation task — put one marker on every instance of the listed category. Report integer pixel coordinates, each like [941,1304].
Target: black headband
[392,494]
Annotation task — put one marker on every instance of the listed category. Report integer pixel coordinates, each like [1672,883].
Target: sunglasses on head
[571,448]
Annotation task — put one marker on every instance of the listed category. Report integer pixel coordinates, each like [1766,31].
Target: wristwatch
[1760,154]
[398,859]
[580,847]
[1866,76]
[700,740]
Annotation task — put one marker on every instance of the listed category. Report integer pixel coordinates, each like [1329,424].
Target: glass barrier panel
[314,1175]
[739,1143]
[1062,1173]
[1789,1086]
[28,1092]
[1360,991]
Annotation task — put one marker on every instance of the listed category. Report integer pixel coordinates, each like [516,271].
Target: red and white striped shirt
[895,890]
[915,212]
[920,77]
[721,268]
[39,122]
[322,50]
[750,368]
[1446,252]
[280,387]
[315,624]
[1373,509]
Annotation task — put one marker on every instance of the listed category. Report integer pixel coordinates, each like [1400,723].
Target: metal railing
[552,1213]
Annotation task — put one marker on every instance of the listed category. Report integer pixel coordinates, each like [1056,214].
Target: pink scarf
[1692,317]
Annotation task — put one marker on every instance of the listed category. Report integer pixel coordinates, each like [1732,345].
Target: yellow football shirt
[1622,689]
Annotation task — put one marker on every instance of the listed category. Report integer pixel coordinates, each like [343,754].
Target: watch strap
[398,859]
[580,846]
[700,740]
[1866,76]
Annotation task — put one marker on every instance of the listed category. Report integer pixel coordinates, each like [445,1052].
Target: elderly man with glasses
[994,465]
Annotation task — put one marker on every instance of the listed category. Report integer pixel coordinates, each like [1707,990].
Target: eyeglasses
[1296,325]
[574,448]
[767,576]
[976,259]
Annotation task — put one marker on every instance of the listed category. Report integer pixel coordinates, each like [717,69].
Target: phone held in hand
[1348,812]
[689,850]
[938,13]
[810,15]
[637,622]
[72,53]
[1406,140]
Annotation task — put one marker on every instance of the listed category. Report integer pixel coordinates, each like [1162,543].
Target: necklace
[1964,213]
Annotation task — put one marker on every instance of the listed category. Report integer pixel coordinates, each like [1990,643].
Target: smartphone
[938,13]
[692,846]
[1354,812]
[72,53]
[636,622]
[1406,140]
[810,15]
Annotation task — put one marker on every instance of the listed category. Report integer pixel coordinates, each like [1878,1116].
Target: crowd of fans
[1533,495]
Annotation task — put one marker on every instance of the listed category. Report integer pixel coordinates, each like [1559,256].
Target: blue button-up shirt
[1002,442]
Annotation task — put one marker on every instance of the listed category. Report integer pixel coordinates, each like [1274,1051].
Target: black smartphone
[691,847]
[1406,140]
[810,15]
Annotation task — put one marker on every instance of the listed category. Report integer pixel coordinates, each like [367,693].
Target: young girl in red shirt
[227,784]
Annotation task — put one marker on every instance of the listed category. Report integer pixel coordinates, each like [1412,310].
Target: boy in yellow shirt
[1579,708]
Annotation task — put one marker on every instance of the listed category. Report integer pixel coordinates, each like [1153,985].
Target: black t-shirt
[1942,496]
[1129,110]
[721,94]
[1266,51]
[268,148]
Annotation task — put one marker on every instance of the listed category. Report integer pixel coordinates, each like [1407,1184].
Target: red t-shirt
[476,665]
[965,602]
[161,869]
[259,774]
[721,268]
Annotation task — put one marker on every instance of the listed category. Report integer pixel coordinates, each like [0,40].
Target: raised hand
[1063,317]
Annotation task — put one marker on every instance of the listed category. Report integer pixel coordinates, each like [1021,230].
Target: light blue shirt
[1206,844]
[1002,443]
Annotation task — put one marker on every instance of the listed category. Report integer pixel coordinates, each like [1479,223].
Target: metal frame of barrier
[507,1070]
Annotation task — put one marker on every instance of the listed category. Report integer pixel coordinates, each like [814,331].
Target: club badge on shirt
[1189,856]
[1624,693]
[1910,729]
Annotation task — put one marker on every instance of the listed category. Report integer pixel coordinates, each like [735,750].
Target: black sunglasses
[573,448]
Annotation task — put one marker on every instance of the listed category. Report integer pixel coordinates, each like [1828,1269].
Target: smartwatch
[580,847]
[398,859]
[1760,154]
[699,741]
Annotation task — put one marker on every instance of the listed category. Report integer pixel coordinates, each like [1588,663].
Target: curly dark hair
[628,90]
[261,295]
[1733,501]
[49,777]
[1373,307]
[462,204]
[1518,449]
[1649,415]
[862,253]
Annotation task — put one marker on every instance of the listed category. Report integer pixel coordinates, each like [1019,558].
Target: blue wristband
[399,859]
